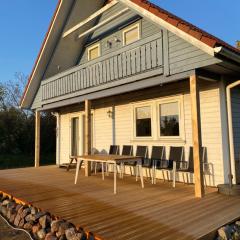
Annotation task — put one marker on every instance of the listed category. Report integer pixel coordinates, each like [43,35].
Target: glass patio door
[75,136]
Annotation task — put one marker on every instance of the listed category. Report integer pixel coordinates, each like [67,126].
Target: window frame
[179,100]
[129,28]
[139,105]
[96,45]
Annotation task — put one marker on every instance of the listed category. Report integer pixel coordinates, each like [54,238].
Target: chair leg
[95,168]
[146,172]
[152,175]
[122,170]
[183,174]
[174,174]
[188,178]
[163,173]
[155,175]
[205,180]
[130,170]
[102,171]
[107,169]
[168,176]
[69,165]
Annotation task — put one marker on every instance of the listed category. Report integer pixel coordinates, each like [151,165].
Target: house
[127,72]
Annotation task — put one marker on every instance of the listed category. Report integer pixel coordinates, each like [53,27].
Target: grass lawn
[21,161]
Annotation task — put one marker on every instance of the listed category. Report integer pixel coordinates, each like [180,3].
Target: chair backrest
[142,151]
[176,154]
[191,158]
[158,153]
[127,150]
[114,150]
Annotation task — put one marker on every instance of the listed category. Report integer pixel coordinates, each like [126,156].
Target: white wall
[104,135]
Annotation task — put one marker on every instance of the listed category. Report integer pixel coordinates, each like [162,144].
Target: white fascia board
[41,53]
[104,22]
[90,18]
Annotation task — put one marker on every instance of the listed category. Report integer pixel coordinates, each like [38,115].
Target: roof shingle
[183,25]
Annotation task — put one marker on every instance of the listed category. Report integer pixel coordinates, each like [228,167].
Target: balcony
[131,63]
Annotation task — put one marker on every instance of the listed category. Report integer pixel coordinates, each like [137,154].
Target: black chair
[176,156]
[127,150]
[114,150]
[186,167]
[159,161]
[142,152]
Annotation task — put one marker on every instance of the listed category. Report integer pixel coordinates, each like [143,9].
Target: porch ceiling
[156,212]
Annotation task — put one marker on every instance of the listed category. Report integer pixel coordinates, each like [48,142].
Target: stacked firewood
[40,224]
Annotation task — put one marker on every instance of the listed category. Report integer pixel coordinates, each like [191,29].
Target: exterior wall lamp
[110,113]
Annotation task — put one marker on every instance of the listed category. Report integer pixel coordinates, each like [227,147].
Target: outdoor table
[111,159]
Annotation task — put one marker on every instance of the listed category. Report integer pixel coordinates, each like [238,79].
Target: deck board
[155,212]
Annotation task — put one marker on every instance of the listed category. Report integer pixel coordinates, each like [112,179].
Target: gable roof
[41,50]
[183,26]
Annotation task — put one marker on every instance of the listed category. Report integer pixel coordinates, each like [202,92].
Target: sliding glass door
[75,136]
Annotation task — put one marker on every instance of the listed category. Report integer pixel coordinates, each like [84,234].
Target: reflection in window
[143,122]
[169,119]
[131,34]
[94,52]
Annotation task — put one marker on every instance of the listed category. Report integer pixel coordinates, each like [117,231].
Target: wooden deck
[156,212]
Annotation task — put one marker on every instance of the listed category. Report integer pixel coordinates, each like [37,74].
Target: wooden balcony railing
[140,57]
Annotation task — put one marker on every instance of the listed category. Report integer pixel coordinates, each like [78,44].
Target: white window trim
[128,29]
[139,105]
[178,99]
[155,120]
[97,45]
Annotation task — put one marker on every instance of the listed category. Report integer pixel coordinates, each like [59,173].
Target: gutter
[227,53]
[232,178]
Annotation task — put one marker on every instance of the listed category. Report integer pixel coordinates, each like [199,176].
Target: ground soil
[7,233]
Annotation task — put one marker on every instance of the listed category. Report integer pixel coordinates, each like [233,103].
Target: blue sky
[24,24]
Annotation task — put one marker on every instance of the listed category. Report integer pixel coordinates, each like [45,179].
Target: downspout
[232,178]
[57,115]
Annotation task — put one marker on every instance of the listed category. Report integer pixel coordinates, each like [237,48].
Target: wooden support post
[197,138]
[88,135]
[37,138]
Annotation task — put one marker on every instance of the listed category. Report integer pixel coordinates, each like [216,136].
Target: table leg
[115,178]
[141,174]
[77,170]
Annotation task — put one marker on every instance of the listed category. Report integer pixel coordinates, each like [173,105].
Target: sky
[25,23]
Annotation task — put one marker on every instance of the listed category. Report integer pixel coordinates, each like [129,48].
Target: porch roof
[156,212]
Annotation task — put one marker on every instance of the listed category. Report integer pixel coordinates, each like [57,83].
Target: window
[143,122]
[131,34]
[169,119]
[94,52]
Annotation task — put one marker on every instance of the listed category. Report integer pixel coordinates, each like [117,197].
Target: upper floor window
[94,52]
[131,34]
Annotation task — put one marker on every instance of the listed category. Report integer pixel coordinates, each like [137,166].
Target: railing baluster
[145,57]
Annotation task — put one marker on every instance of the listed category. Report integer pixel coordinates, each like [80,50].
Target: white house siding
[104,136]
[64,138]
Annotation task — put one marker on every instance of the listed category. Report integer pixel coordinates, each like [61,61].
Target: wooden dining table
[111,159]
